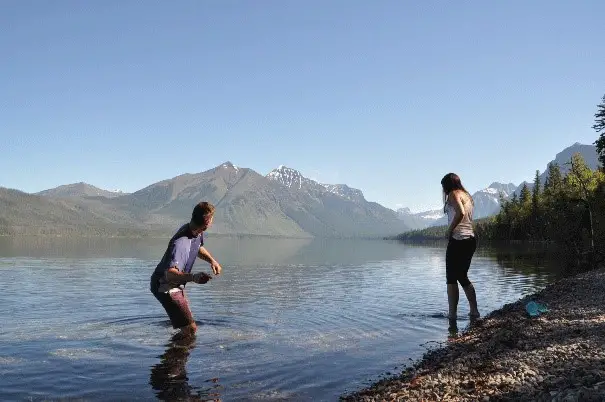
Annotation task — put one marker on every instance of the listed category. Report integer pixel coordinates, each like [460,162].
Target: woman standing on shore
[461,244]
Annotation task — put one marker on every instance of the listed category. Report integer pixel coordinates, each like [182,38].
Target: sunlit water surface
[287,319]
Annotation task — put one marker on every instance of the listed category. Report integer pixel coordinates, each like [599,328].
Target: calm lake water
[287,320]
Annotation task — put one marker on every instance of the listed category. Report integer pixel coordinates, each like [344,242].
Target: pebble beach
[510,356]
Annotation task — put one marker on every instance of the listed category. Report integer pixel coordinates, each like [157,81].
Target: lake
[289,319]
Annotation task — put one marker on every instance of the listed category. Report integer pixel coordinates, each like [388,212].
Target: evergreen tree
[552,192]
[599,127]
[514,200]
[536,229]
[535,194]
[582,180]
[555,178]
[524,196]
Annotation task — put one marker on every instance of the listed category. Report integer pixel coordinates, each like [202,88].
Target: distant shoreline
[162,235]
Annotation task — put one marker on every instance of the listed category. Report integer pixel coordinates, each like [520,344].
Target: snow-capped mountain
[419,220]
[507,189]
[487,200]
[292,178]
[345,191]
[322,208]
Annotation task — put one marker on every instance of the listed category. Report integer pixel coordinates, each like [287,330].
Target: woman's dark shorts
[458,258]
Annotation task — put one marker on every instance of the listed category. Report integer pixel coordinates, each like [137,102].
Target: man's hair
[201,212]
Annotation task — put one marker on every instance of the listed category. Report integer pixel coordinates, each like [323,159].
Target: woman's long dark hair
[449,183]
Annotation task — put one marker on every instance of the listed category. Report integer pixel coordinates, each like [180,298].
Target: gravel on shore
[508,356]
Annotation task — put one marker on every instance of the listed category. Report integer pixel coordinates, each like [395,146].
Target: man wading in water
[174,270]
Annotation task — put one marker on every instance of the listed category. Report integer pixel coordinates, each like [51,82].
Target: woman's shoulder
[456,194]
[461,195]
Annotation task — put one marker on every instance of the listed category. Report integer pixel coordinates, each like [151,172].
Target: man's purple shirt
[182,251]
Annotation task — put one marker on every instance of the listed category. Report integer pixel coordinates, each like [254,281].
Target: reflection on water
[292,319]
[228,250]
[169,377]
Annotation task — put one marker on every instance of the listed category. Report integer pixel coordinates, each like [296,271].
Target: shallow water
[287,319]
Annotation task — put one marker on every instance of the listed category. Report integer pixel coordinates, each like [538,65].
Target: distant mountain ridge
[29,214]
[80,189]
[282,203]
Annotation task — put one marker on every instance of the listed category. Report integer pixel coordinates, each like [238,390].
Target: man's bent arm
[206,256]
[173,275]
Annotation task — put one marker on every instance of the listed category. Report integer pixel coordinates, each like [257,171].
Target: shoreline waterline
[507,355]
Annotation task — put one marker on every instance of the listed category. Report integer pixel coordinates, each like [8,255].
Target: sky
[384,96]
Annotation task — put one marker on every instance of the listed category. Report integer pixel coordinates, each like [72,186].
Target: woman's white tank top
[464,230]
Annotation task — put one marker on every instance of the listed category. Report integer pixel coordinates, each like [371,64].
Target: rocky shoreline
[508,356]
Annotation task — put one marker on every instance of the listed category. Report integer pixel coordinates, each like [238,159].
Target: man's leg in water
[186,332]
[169,376]
[183,318]
[177,307]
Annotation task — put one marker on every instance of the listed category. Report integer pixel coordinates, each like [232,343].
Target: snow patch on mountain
[292,178]
[289,177]
[344,191]
[432,215]
[229,165]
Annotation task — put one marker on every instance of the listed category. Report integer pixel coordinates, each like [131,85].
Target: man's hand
[201,277]
[216,267]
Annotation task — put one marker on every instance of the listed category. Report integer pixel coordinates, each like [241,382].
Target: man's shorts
[176,305]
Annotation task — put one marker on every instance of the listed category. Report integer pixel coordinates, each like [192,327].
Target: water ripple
[305,330]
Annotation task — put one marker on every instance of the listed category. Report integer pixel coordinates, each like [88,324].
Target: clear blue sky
[385,96]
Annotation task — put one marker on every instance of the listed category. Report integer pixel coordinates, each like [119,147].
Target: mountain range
[281,203]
